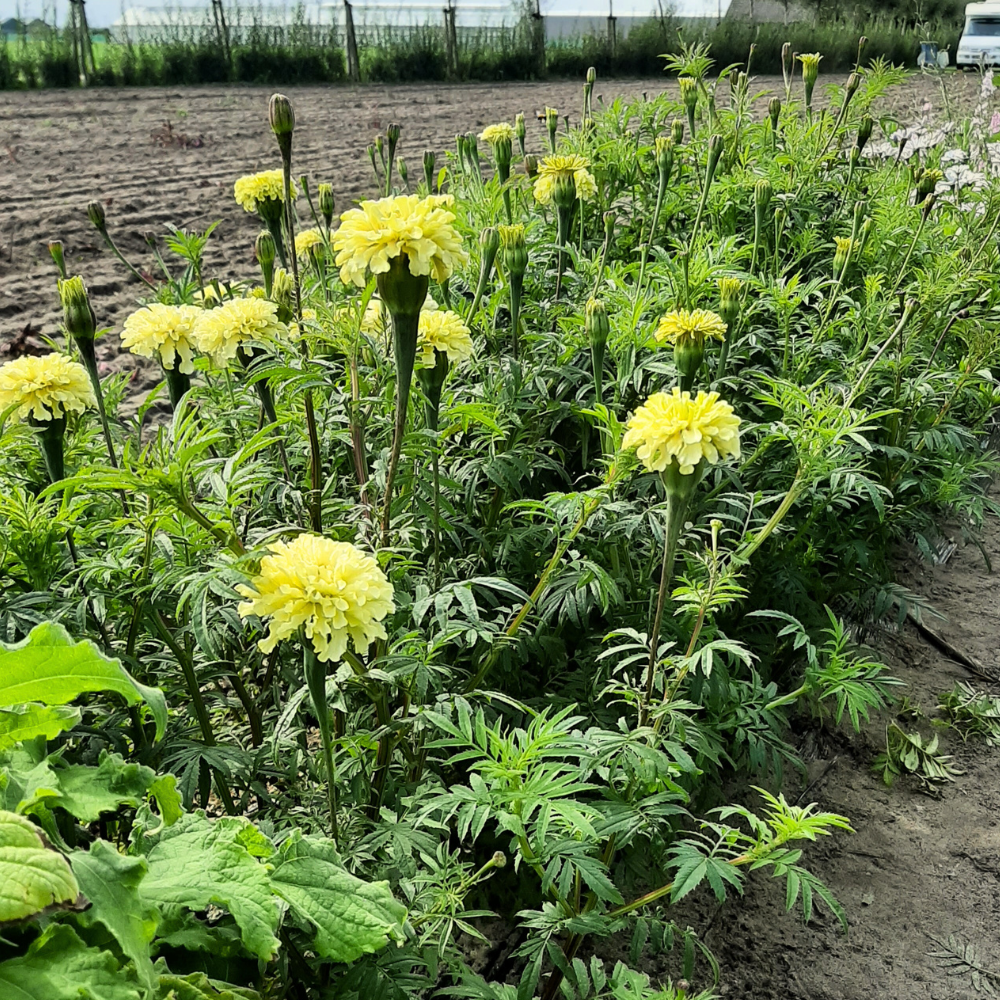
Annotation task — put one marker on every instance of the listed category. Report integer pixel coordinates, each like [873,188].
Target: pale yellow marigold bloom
[675,426]
[442,330]
[46,387]
[254,188]
[221,331]
[550,168]
[500,132]
[683,326]
[421,228]
[163,331]
[306,240]
[332,590]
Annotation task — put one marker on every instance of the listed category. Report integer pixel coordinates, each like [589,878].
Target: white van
[980,41]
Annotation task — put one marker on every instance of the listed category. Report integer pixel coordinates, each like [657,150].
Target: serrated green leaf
[32,876]
[110,881]
[59,966]
[25,722]
[197,863]
[198,986]
[88,792]
[49,667]
[351,917]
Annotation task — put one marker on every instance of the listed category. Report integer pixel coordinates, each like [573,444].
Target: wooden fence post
[449,49]
[222,30]
[353,64]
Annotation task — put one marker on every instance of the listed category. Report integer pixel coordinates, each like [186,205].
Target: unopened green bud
[716,147]
[864,233]
[729,299]
[860,211]
[664,157]
[853,82]
[552,125]
[844,248]
[520,130]
[855,156]
[927,205]
[564,190]
[56,252]
[865,128]
[371,156]
[689,92]
[927,182]
[596,324]
[786,61]
[282,294]
[610,218]
[404,171]
[380,145]
[95,212]
[430,161]
[392,132]
[326,203]
[515,250]
[774,111]
[592,76]
[472,149]
[499,859]
[677,131]
[531,165]
[489,241]
[280,115]
[762,192]
[81,323]
[264,248]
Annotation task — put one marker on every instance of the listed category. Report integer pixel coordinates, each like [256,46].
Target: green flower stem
[484,277]
[516,282]
[197,702]
[661,190]
[88,355]
[676,508]
[564,218]
[404,337]
[600,266]
[177,385]
[249,359]
[590,505]
[50,439]
[432,382]
[315,672]
[908,309]
[217,531]
[798,485]
[113,247]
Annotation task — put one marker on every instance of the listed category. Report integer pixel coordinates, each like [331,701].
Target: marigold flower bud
[531,165]
[56,251]
[844,249]
[863,235]
[280,115]
[786,62]
[430,160]
[596,323]
[664,157]
[927,182]
[610,218]
[853,82]
[592,75]
[95,212]
[689,91]
[729,299]
[928,204]
[489,241]
[552,124]
[520,130]
[855,156]
[392,132]
[865,128]
[515,250]
[774,110]
[472,150]
[326,203]
[499,859]
[264,248]
[81,323]
[677,131]
[404,170]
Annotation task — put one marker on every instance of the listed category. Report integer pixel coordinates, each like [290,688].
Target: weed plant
[313,666]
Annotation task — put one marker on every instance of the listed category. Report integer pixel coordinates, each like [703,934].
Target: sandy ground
[917,866]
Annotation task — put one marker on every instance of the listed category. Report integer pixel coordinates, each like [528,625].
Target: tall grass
[308,53]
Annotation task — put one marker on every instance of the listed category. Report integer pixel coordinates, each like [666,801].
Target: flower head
[306,240]
[552,168]
[330,589]
[501,132]
[421,228]
[164,331]
[683,326]
[810,65]
[221,331]
[442,330]
[269,185]
[674,427]
[45,388]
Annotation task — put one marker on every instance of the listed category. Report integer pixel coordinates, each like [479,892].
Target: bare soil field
[918,868]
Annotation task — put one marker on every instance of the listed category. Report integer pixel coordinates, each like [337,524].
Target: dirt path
[917,866]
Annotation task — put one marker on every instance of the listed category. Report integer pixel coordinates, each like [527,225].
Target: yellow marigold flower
[330,589]
[45,388]
[254,188]
[221,331]
[307,239]
[164,331]
[683,326]
[421,228]
[810,65]
[442,330]
[551,168]
[501,132]
[674,426]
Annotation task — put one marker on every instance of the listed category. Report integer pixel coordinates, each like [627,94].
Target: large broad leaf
[26,779]
[351,917]
[198,986]
[197,863]
[25,722]
[59,966]
[87,792]
[110,881]
[32,876]
[51,668]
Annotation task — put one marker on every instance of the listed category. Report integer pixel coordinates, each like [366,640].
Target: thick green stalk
[315,672]
[404,337]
